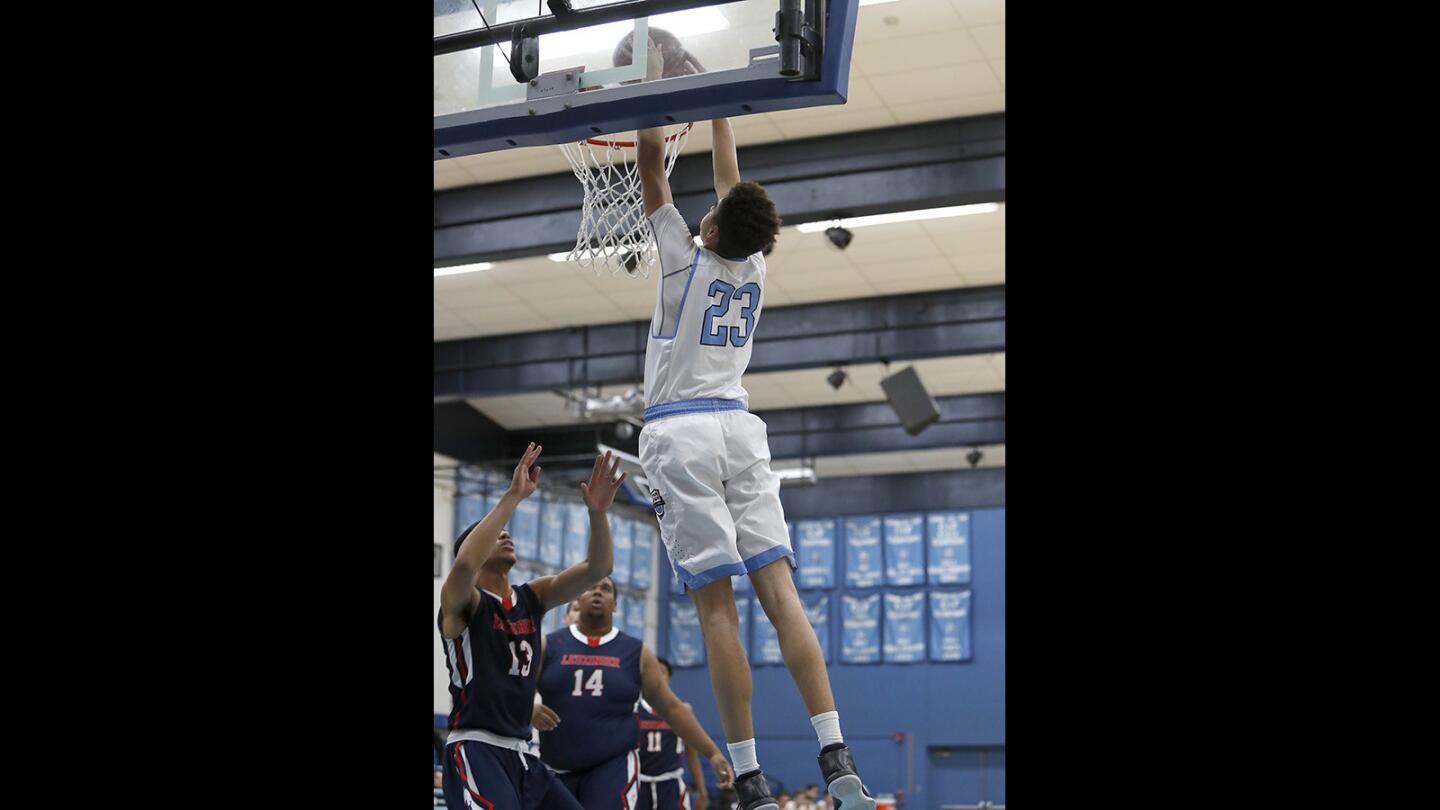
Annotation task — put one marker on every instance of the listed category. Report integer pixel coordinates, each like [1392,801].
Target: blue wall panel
[939,704]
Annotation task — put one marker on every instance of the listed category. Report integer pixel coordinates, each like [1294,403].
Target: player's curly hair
[747,220]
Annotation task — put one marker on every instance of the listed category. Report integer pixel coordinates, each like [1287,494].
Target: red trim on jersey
[592,641]
[625,794]
[460,663]
[507,603]
[460,769]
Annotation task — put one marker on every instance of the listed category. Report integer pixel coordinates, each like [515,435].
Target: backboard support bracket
[524,54]
[555,83]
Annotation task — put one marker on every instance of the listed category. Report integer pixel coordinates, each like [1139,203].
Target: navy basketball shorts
[611,785]
[664,794]
[479,776]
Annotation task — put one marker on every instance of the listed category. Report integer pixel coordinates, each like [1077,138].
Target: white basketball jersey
[706,311]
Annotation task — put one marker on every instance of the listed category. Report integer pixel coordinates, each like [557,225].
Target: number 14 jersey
[593,685]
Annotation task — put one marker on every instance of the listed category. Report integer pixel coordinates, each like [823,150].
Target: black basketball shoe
[753,793]
[842,781]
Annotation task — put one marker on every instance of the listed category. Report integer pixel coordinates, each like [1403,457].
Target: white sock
[827,728]
[742,756]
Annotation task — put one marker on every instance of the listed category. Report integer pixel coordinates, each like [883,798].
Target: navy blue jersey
[492,665]
[661,750]
[593,688]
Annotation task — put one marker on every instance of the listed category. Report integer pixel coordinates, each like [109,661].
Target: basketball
[678,61]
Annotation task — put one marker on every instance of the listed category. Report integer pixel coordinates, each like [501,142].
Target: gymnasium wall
[940,705]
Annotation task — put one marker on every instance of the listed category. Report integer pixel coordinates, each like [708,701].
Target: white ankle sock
[742,756]
[827,728]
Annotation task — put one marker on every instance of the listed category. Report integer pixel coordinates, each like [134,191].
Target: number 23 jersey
[707,308]
[593,685]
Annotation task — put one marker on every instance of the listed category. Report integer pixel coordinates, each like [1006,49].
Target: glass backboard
[731,57]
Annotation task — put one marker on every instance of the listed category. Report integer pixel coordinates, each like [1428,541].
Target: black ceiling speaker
[912,403]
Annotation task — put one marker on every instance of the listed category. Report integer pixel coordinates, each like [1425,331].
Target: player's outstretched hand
[724,776]
[544,718]
[524,480]
[599,491]
[654,61]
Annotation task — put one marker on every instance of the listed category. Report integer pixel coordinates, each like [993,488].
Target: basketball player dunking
[593,675]
[708,459]
[491,634]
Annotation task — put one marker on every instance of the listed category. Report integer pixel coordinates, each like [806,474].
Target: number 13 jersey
[593,685]
[493,666]
[706,311]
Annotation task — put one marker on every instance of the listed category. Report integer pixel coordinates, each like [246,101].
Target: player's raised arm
[723,158]
[458,595]
[599,493]
[675,712]
[650,146]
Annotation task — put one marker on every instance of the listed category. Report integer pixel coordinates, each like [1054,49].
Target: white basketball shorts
[708,466]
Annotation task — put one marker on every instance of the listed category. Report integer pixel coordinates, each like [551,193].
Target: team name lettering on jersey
[653,724]
[571,659]
[519,628]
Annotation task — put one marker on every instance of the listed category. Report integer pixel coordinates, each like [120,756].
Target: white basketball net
[614,232]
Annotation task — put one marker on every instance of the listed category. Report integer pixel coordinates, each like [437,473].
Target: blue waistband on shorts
[685,406]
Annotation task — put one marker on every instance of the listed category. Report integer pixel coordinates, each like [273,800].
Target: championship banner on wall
[525,528]
[862,553]
[904,628]
[520,573]
[577,533]
[950,626]
[645,540]
[495,486]
[817,610]
[904,550]
[740,583]
[949,540]
[860,629]
[635,618]
[552,532]
[765,642]
[469,498]
[814,543]
[742,609]
[687,648]
[622,611]
[621,537]
[552,621]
